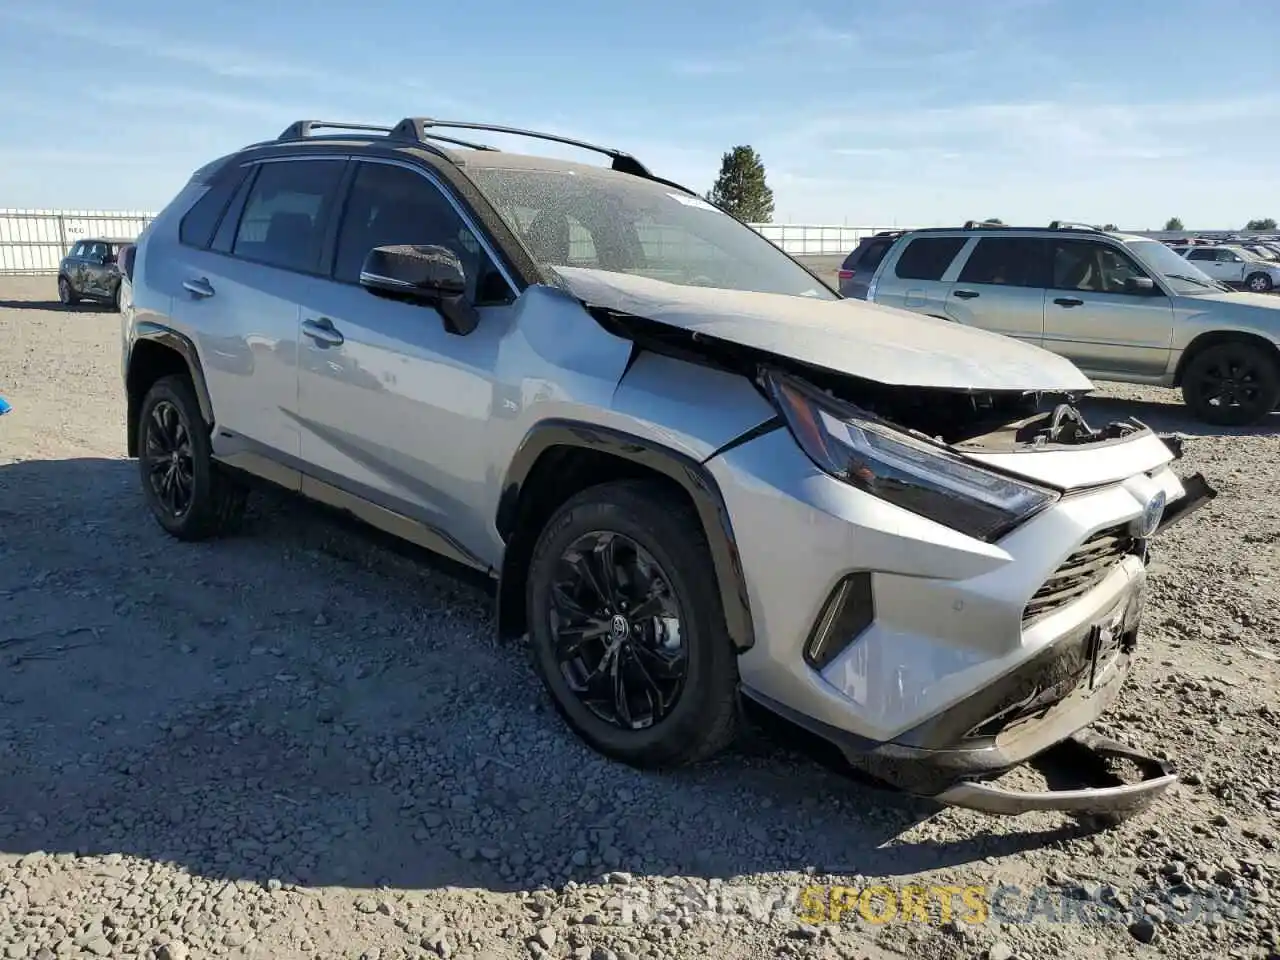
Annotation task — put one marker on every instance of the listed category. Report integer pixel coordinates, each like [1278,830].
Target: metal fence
[816,240]
[33,241]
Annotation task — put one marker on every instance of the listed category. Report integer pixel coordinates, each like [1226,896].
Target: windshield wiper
[1211,285]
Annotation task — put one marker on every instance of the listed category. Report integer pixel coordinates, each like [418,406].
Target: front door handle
[1069,302]
[322,332]
[967,294]
[199,288]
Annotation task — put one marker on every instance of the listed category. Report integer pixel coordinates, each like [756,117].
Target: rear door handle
[1069,302]
[322,332]
[200,288]
[967,294]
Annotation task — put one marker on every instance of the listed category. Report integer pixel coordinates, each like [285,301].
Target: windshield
[622,224]
[1180,274]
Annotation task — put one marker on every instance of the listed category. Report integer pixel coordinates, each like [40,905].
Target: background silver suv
[1120,307]
[690,470]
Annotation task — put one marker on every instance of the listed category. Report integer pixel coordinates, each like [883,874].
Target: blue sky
[872,112]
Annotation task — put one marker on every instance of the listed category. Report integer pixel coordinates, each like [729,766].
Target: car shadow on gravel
[298,703]
[84,306]
[1169,417]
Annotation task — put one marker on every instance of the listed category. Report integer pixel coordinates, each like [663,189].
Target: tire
[67,295]
[1258,283]
[115,299]
[1247,374]
[214,502]
[704,714]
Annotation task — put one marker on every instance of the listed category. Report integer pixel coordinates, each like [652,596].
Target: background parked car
[1261,251]
[90,271]
[858,268]
[1236,266]
[1122,308]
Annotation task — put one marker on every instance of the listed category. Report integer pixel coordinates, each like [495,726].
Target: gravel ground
[297,743]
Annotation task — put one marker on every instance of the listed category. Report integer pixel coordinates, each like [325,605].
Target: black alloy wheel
[627,627]
[616,625]
[190,496]
[1233,383]
[169,460]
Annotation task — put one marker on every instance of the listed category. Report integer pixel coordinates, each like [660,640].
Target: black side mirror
[1140,285]
[430,275]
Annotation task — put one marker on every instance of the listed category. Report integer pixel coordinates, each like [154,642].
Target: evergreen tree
[1173,223]
[741,188]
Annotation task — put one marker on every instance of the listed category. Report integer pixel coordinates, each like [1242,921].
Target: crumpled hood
[883,344]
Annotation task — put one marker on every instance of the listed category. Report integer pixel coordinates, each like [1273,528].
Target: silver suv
[690,469]
[1122,308]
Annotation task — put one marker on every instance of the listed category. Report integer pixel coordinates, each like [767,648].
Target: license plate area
[1114,632]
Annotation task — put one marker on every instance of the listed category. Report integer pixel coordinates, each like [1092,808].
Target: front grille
[1080,572]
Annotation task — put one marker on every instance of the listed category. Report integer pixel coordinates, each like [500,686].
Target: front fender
[694,478]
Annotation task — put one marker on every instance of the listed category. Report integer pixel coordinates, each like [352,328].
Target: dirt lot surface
[295,743]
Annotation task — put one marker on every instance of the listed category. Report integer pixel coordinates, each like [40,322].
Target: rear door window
[1008,261]
[927,258]
[284,219]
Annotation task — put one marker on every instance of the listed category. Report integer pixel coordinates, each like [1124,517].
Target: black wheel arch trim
[1211,338]
[691,475]
[183,346]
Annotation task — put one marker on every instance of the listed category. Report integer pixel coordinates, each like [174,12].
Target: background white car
[1234,265]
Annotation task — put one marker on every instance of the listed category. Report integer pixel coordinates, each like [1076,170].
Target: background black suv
[860,265]
[91,271]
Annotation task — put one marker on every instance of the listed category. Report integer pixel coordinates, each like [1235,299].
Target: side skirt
[382,518]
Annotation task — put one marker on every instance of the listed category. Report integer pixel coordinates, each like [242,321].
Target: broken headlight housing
[913,473]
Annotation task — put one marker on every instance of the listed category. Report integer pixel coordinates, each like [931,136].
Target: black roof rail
[417,127]
[421,130]
[302,129]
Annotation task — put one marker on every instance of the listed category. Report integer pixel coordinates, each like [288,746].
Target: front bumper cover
[1037,715]
[1086,750]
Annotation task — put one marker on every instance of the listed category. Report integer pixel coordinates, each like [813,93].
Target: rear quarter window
[927,258]
[867,256]
[198,224]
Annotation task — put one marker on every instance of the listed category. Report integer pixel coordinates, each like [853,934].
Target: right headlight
[908,472]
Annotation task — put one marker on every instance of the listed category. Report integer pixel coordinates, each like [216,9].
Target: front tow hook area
[1086,758]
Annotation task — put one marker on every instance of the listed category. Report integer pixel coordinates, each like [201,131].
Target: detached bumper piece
[1198,493]
[1085,756]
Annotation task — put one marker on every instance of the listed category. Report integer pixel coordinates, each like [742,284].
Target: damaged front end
[986,463]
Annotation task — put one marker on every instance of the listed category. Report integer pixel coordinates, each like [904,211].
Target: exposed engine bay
[985,421]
